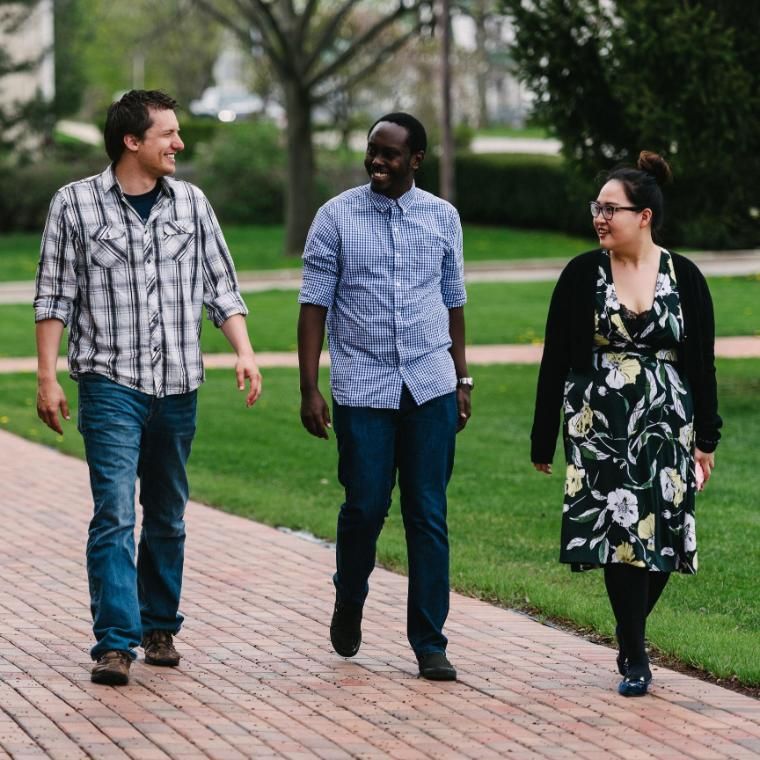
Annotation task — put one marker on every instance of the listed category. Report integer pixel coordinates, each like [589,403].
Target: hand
[464,405]
[706,462]
[51,398]
[315,415]
[545,468]
[247,369]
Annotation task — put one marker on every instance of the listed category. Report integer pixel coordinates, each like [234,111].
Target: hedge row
[515,190]
[539,192]
[242,170]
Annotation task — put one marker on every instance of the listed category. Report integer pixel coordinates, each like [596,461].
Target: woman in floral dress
[629,359]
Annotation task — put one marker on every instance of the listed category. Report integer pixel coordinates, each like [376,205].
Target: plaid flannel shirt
[131,293]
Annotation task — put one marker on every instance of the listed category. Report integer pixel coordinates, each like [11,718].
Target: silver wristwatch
[466,382]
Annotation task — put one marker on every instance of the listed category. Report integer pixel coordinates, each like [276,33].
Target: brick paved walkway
[258,678]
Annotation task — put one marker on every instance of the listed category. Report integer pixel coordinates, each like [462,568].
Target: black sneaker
[435,666]
[346,629]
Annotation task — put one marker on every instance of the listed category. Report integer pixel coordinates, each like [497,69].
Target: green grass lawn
[260,247]
[504,517]
[496,313]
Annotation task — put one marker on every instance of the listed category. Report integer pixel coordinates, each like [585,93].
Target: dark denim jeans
[129,435]
[417,442]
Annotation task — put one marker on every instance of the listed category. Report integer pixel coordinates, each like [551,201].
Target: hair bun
[656,165]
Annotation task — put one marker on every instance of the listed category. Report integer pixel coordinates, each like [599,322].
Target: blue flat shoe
[632,686]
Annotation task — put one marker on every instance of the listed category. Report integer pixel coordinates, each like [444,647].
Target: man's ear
[131,142]
[417,159]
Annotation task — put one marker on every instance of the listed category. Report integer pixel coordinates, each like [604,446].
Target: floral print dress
[629,440]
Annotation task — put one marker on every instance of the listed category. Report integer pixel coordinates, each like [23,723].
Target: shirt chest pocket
[177,236]
[108,246]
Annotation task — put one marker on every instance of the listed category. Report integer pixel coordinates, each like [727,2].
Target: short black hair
[130,116]
[417,139]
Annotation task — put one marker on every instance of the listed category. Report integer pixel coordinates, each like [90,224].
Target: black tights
[633,593]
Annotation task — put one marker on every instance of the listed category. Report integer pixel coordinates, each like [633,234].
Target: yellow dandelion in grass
[4,420]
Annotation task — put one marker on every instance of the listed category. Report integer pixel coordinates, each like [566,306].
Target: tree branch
[305,18]
[328,33]
[392,47]
[360,42]
[210,9]
[267,18]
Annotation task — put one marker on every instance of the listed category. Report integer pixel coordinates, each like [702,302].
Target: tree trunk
[299,192]
[446,180]
[482,70]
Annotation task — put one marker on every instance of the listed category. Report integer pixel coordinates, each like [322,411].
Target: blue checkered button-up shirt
[388,271]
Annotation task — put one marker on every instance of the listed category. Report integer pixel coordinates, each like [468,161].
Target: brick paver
[259,679]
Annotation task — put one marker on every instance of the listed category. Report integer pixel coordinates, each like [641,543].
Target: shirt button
[148,260]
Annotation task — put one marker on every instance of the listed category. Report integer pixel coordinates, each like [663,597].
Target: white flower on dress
[663,286]
[574,479]
[579,424]
[623,369]
[624,506]
[610,297]
[689,533]
[671,268]
[686,435]
[672,485]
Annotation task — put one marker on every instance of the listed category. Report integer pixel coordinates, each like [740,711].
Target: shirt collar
[108,181]
[383,203]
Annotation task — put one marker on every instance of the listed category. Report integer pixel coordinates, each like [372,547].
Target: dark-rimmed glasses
[607,210]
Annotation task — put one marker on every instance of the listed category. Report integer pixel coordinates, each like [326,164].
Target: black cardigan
[569,343]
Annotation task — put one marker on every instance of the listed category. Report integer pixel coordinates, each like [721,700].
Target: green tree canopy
[680,78]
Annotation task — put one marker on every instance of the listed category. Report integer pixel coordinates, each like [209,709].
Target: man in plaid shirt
[129,259]
[383,269]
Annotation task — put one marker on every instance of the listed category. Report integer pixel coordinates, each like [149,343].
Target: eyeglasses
[607,210]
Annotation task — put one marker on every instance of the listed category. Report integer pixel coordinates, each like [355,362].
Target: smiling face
[626,228]
[389,161]
[155,152]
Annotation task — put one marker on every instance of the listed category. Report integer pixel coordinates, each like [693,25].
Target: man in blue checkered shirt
[383,269]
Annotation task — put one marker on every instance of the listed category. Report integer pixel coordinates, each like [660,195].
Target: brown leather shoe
[159,649]
[112,668]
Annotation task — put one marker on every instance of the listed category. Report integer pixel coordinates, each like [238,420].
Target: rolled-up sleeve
[56,282]
[221,294]
[320,261]
[452,274]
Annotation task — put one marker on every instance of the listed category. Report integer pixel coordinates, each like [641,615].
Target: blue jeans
[417,442]
[128,435]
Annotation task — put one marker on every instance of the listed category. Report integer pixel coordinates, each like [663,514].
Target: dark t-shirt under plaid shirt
[388,271]
[132,293]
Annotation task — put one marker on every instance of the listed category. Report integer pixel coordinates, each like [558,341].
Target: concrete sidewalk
[258,677]
[717,264]
[738,347]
